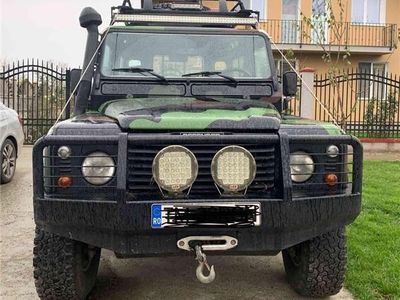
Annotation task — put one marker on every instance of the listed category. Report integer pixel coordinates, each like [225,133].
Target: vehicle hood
[166,113]
[300,126]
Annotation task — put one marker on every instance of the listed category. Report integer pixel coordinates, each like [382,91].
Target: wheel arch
[14,141]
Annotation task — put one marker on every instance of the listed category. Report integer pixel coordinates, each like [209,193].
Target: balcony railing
[342,34]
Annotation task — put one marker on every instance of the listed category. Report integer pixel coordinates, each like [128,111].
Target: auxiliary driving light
[64,152]
[184,19]
[301,166]
[175,168]
[233,168]
[332,151]
[98,168]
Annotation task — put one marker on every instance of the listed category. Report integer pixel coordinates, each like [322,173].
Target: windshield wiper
[141,71]
[209,74]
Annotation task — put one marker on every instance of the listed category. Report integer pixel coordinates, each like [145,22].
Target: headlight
[175,168]
[98,168]
[301,166]
[233,168]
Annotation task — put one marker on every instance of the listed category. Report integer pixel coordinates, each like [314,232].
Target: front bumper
[124,226]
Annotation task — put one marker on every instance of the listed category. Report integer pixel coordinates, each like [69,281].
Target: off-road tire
[60,268]
[316,267]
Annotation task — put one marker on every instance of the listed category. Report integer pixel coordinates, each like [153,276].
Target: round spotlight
[233,168]
[301,166]
[332,151]
[64,152]
[98,168]
[175,168]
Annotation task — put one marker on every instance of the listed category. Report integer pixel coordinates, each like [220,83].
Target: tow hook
[198,244]
[202,259]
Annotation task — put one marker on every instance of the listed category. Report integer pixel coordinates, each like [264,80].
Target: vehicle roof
[182,28]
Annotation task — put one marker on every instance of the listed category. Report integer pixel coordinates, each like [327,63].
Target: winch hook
[201,258]
[200,276]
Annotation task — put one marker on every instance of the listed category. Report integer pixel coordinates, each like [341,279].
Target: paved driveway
[146,278]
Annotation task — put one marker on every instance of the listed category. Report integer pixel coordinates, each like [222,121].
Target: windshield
[178,54]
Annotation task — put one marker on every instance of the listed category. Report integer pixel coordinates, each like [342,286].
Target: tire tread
[322,265]
[56,268]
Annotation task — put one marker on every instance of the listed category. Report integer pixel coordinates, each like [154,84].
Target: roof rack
[184,12]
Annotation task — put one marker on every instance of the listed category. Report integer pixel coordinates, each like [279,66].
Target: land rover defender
[180,145]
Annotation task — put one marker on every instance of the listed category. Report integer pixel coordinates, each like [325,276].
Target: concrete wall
[381,145]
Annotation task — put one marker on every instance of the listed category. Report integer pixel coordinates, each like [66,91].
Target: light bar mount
[183,13]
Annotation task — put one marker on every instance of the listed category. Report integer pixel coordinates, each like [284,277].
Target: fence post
[67,92]
[307,99]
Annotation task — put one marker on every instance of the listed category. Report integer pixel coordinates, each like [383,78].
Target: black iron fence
[364,104]
[37,90]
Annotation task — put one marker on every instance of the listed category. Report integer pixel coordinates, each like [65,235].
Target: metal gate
[38,91]
[364,104]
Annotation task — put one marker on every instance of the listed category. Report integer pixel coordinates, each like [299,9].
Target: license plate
[205,215]
[156,216]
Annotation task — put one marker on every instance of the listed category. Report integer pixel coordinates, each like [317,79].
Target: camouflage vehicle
[179,146]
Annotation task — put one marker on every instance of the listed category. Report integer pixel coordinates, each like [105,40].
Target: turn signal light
[331,179]
[64,182]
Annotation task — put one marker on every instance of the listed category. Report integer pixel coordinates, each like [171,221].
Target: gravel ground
[238,277]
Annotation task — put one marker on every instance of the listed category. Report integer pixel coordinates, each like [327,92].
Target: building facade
[366,31]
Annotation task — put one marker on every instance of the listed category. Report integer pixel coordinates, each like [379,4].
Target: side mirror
[289,84]
[75,76]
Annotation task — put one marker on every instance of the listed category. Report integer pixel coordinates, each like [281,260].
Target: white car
[11,141]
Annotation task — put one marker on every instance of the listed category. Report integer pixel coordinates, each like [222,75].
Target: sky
[48,30]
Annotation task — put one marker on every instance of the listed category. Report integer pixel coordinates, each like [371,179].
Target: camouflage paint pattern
[184,113]
[300,126]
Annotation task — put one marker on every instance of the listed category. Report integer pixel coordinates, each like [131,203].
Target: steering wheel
[240,71]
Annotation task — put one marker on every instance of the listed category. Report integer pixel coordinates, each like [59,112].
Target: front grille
[141,185]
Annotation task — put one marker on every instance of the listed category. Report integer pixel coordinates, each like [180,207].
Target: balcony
[354,37]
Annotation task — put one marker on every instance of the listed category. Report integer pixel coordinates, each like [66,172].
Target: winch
[198,244]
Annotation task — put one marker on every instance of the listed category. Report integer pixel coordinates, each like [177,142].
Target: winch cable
[84,72]
[335,122]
